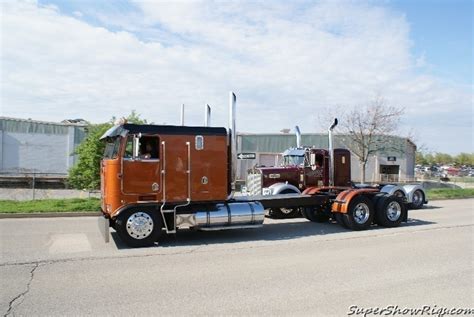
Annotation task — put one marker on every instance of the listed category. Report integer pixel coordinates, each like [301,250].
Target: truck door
[141,167]
[176,160]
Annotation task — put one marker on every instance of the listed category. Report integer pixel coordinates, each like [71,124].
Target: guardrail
[35,181]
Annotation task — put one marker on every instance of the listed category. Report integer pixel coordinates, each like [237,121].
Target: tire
[315,214]
[138,227]
[284,213]
[400,194]
[391,211]
[360,213]
[417,199]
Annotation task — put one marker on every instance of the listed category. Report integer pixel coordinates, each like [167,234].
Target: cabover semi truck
[156,179]
[296,173]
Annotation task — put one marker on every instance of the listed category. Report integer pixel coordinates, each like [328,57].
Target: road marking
[69,243]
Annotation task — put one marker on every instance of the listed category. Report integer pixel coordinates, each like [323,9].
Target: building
[395,164]
[30,146]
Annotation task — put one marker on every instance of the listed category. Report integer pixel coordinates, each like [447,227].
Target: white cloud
[285,62]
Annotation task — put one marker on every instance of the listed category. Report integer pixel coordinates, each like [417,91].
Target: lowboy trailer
[156,179]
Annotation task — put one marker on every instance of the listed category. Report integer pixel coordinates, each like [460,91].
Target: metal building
[395,164]
[28,146]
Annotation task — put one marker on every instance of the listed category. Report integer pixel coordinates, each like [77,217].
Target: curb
[51,214]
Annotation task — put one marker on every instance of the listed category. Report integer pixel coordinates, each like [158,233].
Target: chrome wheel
[286,211]
[394,210]
[417,198]
[361,213]
[139,225]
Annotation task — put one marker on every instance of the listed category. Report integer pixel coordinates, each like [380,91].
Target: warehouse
[395,164]
[29,146]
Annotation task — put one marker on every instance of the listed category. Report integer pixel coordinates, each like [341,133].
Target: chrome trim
[207,116]
[188,199]
[139,225]
[232,214]
[298,136]
[254,183]
[163,185]
[331,153]
[230,227]
[233,138]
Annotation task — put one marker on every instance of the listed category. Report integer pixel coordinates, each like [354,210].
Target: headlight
[266,191]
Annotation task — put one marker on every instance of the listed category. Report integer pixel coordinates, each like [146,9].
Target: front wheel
[282,213]
[360,214]
[138,227]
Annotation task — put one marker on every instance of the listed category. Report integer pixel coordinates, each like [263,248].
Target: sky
[287,61]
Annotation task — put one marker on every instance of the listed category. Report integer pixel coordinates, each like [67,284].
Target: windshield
[293,160]
[112,148]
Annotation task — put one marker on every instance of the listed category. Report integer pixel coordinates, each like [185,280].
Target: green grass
[448,193]
[50,205]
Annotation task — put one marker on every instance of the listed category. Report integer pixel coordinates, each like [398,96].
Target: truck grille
[254,183]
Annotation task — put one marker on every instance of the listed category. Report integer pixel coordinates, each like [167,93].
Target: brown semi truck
[158,178]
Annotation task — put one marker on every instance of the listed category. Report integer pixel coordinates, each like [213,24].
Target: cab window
[148,147]
[112,148]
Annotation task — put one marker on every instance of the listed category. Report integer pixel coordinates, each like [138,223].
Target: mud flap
[104,228]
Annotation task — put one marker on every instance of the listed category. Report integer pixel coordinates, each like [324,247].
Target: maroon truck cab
[301,168]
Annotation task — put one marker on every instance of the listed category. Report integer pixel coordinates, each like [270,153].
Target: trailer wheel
[138,227]
[390,211]
[282,213]
[417,199]
[315,214]
[360,213]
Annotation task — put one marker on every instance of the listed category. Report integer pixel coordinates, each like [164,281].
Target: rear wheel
[417,199]
[360,214]
[390,211]
[315,214]
[138,227]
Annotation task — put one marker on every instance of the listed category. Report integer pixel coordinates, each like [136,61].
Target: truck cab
[172,165]
[301,168]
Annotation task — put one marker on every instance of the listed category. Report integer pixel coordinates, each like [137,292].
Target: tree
[368,128]
[86,173]
[420,158]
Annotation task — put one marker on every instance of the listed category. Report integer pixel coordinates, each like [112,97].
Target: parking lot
[60,266]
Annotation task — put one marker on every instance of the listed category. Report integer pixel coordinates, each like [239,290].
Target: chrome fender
[411,188]
[280,187]
[391,189]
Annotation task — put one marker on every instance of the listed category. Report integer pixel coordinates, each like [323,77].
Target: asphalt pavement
[61,267]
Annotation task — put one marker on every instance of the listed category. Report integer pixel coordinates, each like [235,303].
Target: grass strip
[449,193]
[50,205]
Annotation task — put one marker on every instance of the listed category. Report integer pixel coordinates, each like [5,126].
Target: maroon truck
[302,167]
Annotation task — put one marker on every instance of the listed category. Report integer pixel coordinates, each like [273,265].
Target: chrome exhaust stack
[224,216]
[182,114]
[331,153]
[298,136]
[207,116]
[233,138]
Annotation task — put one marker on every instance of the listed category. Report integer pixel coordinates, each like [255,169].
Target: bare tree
[367,129]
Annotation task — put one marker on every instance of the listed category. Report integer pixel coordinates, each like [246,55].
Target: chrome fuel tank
[225,216]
